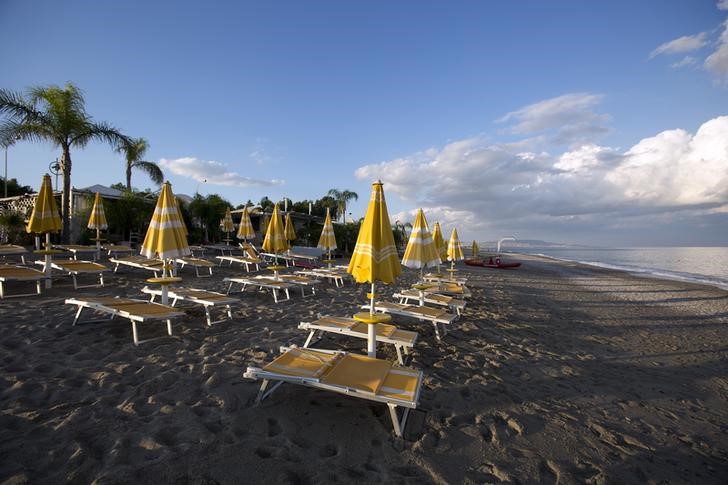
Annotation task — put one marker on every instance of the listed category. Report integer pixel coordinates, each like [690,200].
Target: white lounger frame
[120,262]
[454,304]
[58,266]
[274,288]
[412,314]
[247,262]
[397,423]
[193,261]
[7,279]
[206,304]
[338,279]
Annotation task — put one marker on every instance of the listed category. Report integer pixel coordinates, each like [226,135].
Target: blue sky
[567,120]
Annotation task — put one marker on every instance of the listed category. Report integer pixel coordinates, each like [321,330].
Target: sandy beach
[555,373]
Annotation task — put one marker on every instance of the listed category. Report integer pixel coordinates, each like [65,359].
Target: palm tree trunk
[66,197]
[128,177]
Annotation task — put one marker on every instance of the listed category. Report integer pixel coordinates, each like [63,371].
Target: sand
[556,373]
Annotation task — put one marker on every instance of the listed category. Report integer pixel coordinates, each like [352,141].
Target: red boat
[491,263]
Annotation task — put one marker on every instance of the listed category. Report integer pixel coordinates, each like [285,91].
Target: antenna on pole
[55,169]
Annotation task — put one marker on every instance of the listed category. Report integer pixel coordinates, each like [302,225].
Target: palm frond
[151,169]
[15,106]
[98,131]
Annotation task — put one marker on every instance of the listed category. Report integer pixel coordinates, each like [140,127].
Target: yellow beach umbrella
[275,238]
[227,226]
[289,231]
[454,249]
[97,220]
[375,257]
[45,219]
[440,245]
[475,249]
[327,240]
[264,222]
[182,219]
[421,251]
[245,230]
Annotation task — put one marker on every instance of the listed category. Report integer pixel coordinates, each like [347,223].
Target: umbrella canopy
[226,224]
[165,238]
[97,220]
[289,231]
[439,242]
[375,255]
[44,217]
[327,241]
[179,211]
[245,230]
[454,249]
[275,239]
[475,249]
[264,222]
[421,251]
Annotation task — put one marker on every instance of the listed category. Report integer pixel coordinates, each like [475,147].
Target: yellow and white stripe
[327,240]
[165,238]
[245,230]
[275,239]
[421,251]
[289,230]
[226,224]
[97,220]
[44,217]
[375,256]
[454,249]
[475,250]
[440,245]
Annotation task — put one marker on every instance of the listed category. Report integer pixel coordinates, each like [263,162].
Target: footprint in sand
[273,428]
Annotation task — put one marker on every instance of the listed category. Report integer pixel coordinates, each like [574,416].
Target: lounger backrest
[302,363]
[365,374]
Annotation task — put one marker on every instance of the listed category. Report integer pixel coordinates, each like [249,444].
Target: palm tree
[134,151]
[56,115]
[342,198]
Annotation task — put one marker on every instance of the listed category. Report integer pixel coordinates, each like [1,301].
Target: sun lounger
[136,311]
[245,261]
[196,263]
[433,315]
[433,298]
[13,250]
[443,278]
[221,249]
[114,250]
[389,334]
[197,251]
[337,278]
[449,289]
[302,282]
[76,249]
[74,268]
[19,273]
[208,299]
[261,282]
[350,374]
[139,262]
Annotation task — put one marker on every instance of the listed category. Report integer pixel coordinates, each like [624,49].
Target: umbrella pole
[372,330]
[98,243]
[165,293]
[47,265]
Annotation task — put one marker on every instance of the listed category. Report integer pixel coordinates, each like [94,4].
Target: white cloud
[682,44]
[722,5]
[717,62]
[479,184]
[212,172]
[570,118]
[685,61]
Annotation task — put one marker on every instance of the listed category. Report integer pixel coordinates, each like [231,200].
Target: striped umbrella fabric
[264,222]
[454,249]
[165,238]
[179,211]
[421,251]
[226,224]
[275,239]
[289,231]
[44,217]
[475,249]
[375,255]
[327,240]
[245,230]
[97,220]
[439,242]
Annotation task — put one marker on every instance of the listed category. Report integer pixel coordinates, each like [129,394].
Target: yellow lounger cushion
[358,372]
[302,363]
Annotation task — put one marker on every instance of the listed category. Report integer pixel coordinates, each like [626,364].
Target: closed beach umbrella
[289,231]
[275,237]
[264,222]
[245,230]
[421,251]
[227,226]
[440,245]
[475,249]
[45,219]
[327,240]
[375,255]
[179,211]
[454,249]
[97,221]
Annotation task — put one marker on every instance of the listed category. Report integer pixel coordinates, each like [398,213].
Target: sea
[705,265]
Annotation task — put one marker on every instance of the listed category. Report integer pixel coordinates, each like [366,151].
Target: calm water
[702,265]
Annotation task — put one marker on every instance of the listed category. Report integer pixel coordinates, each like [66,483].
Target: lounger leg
[437,331]
[207,315]
[169,327]
[398,425]
[101,279]
[134,334]
[78,315]
[261,392]
[275,294]
[309,339]
[229,312]
[2,289]
[399,354]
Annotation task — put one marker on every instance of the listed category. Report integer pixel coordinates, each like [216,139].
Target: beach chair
[302,282]
[114,250]
[433,315]
[13,250]
[403,340]
[244,260]
[449,289]
[140,262]
[196,263]
[208,299]
[221,249]
[77,249]
[437,278]
[261,282]
[74,268]
[336,278]
[10,273]
[433,298]
[136,311]
[349,374]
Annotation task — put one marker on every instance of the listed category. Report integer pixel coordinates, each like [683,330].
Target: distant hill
[528,244]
